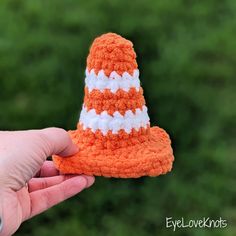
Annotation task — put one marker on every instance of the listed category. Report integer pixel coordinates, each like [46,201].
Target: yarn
[113,132]
[105,122]
[121,139]
[129,161]
[111,52]
[113,82]
[120,101]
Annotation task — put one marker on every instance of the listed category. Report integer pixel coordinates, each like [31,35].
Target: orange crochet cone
[113,133]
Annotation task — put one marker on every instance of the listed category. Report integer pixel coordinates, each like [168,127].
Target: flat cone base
[150,158]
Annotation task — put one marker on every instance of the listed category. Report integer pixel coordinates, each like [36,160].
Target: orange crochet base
[152,157]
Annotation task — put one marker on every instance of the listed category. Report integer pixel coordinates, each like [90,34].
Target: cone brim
[150,158]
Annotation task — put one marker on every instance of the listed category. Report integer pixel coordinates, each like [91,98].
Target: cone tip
[113,39]
[111,52]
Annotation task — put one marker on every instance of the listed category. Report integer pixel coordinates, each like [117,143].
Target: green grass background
[187,59]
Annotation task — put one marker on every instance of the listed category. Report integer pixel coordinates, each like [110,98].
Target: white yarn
[114,82]
[105,122]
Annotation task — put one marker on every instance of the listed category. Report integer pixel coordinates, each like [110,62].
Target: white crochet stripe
[105,122]
[114,82]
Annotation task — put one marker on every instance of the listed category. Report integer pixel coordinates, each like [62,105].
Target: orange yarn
[146,158]
[111,52]
[132,151]
[96,140]
[120,101]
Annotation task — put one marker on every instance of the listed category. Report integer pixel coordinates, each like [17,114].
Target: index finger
[44,199]
[47,170]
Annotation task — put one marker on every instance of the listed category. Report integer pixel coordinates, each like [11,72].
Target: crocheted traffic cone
[113,133]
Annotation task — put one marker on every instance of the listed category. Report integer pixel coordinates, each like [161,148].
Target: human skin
[29,184]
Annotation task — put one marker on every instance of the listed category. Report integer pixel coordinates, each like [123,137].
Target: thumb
[58,142]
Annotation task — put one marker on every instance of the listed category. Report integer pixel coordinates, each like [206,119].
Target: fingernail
[75,148]
[90,180]
[72,151]
[1,224]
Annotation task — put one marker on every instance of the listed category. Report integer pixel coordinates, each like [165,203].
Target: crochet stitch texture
[113,133]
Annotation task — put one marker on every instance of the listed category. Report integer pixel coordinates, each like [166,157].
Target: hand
[30,185]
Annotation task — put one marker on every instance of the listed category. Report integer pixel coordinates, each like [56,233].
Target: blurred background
[187,59]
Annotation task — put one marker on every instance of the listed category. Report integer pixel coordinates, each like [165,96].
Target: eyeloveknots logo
[205,222]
